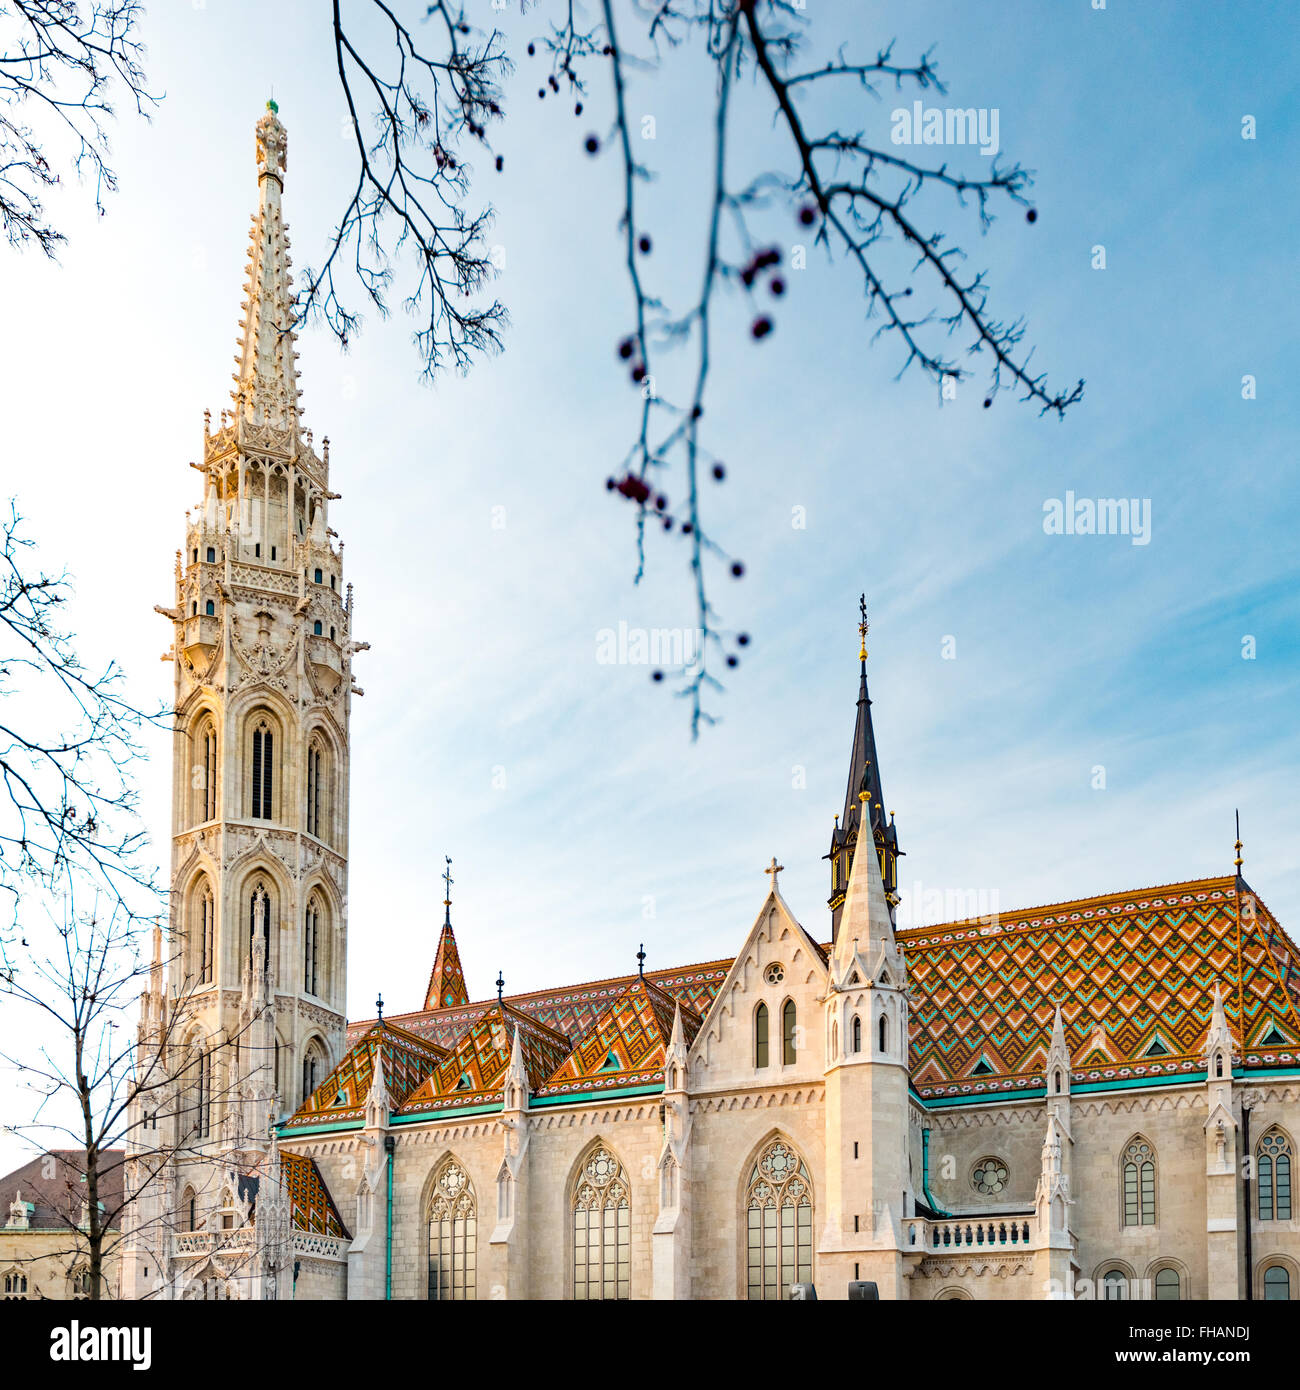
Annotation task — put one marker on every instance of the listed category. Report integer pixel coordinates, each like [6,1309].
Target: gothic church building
[1088,1099]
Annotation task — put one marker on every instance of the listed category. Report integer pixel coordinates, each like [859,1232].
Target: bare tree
[61,62]
[412,105]
[68,738]
[116,1090]
[857,198]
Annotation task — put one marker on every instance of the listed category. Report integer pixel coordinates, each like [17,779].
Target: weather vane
[863,627]
[447,880]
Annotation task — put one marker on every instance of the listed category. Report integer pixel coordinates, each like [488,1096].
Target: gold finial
[1237,861]
[863,627]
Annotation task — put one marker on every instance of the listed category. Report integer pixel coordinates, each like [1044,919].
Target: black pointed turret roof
[864,775]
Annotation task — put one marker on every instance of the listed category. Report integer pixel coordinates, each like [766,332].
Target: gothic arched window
[189,1210]
[789,1027]
[207,936]
[779,1222]
[311,1071]
[857,1033]
[319,578]
[760,1036]
[259,911]
[1139,1174]
[453,1236]
[316,628]
[884,1034]
[262,786]
[601,1228]
[317,788]
[210,609]
[203,1094]
[1277,1284]
[203,772]
[1273,1172]
[311,946]
[15,1285]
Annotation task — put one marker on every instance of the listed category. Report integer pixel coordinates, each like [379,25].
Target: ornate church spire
[864,776]
[266,385]
[447,981]
[866,939]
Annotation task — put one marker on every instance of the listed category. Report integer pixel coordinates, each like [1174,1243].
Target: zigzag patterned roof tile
[408,1059]
[632,1034]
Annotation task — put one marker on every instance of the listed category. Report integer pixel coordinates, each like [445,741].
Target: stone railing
[969,1233]
[254,576]
[320,1247]
[215,1242]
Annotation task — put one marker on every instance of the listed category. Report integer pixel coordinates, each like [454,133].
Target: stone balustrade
[973,1233]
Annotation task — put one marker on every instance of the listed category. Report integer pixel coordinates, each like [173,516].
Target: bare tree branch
[60,62]
[68,740]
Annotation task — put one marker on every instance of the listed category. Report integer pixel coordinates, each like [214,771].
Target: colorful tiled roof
[473,1072]
[408,1059]
[626,1045]
[311,1208]
[572,1010]
[1134,974]
[447,979]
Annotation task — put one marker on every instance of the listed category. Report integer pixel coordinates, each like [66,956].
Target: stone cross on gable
[774,868]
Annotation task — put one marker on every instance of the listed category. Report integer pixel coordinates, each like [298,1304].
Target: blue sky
[581,818]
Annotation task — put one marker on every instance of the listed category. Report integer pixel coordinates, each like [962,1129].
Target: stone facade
[1052,1106]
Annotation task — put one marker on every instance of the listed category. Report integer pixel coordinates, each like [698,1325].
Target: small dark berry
[1031,215]
[668,523]
[577,110]
[696,411]
[747,276]
[742,639]
[656,675]
[761,326]
[808,214]
[719,472]
[737,570]
[532,49]
[625,348]
[777,286]
[988,401]
[500,163]
[687,528]
[733,660]
[541,94]
[638,372]
[643,245]
[660,502]
[607,50]
[610,485]
[592,144]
